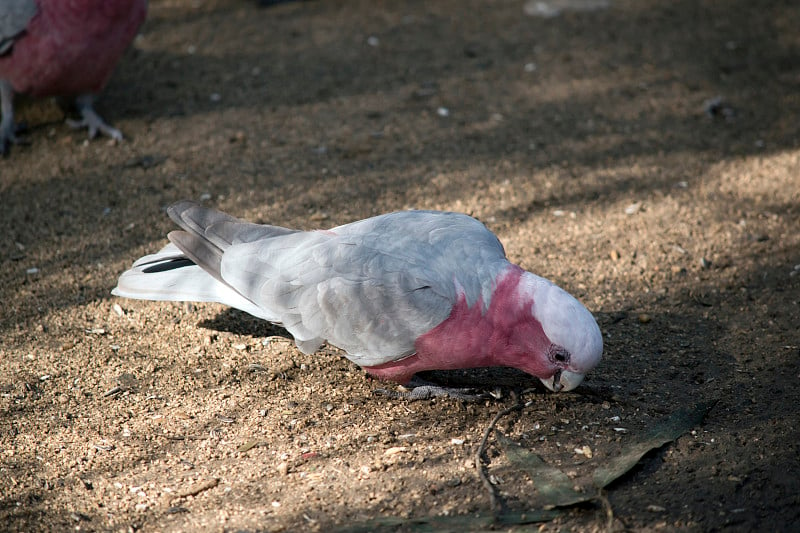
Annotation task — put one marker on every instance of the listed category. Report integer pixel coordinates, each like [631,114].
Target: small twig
[181,437]
[197,489]
[609,511]
[494,500]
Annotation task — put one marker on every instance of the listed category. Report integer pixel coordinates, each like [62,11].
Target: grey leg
[7,127]
[91,120]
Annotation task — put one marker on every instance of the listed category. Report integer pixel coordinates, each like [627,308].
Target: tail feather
[169,275]
[189,268]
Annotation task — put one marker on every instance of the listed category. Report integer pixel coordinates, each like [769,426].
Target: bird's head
[573,344]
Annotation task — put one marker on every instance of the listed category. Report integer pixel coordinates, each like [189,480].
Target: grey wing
[14,18]
[372,287]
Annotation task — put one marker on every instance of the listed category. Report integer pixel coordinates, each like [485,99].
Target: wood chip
[195,490]
[394,450]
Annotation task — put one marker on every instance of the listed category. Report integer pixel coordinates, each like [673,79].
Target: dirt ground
[587,141]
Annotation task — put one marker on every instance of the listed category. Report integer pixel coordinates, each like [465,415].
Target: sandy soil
[582,140]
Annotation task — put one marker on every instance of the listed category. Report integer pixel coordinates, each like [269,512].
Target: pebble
[283,468]
[443,112]
[394,450]
[656,508]
[584,450]
[633,208]
[118,310]
[644,318]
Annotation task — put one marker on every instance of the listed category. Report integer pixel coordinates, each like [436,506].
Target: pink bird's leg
[91,120]
[425,390]
[7,127]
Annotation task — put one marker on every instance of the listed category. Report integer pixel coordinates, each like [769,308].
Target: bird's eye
[560,355]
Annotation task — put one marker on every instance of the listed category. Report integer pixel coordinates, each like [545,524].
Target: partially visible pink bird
[400,293]
[63,48]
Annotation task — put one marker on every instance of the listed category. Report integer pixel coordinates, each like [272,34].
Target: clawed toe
[418,389]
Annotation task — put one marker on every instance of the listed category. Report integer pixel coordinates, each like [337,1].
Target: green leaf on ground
[666,431]
[554,487]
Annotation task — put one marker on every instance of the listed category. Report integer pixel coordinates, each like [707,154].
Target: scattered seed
[118,310]
[644,318]
[225,419]
[656,508]
[457,442]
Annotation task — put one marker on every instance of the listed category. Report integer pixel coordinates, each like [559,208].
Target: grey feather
[14,18]
[371,287]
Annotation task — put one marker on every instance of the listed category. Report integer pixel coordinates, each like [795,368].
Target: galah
[400,293]
[62,48]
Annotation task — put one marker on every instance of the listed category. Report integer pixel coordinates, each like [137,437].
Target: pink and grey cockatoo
[63,48]
[400,293]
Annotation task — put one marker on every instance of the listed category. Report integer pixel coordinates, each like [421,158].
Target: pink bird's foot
[91,120]
[419,389]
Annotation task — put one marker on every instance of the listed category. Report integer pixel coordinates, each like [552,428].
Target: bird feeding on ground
[400,293]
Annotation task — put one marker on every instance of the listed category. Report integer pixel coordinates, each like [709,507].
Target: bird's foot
[8,136]
[91,120]
[419,389]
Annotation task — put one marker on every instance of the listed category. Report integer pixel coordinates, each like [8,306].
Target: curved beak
[563,380]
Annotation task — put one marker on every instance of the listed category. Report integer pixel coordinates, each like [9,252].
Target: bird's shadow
[241,323]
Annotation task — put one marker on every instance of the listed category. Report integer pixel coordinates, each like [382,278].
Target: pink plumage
[63,48]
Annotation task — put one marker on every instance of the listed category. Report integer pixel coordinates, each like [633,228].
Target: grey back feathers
[14,18]
[371,287]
